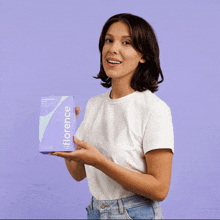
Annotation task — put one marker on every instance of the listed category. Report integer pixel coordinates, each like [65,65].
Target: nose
[114,48]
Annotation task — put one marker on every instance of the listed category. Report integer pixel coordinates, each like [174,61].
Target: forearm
[139,183]
[76,169]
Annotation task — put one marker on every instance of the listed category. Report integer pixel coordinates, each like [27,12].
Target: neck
[119,90]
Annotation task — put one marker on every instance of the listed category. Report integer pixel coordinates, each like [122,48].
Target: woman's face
[118,46]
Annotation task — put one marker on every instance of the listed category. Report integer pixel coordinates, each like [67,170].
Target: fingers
[62,154]
[78,147]
[77,110]
[53,153]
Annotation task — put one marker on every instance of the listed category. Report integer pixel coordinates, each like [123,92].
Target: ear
[142,60]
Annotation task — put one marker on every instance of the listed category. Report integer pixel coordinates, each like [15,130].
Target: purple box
[57,124]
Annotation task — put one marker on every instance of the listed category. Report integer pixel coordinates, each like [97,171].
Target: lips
[113,64]
[114,59]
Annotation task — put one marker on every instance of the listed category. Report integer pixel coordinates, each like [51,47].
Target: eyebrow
[122,36]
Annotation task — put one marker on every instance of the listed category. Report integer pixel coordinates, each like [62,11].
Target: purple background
[51,48]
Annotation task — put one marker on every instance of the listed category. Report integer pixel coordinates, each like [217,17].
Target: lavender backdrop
[51,48]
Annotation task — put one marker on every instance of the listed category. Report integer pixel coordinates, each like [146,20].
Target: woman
[125,143]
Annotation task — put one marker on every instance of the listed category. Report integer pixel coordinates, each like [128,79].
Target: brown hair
[144,41]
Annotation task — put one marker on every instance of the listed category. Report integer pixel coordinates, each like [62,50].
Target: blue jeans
[132,207]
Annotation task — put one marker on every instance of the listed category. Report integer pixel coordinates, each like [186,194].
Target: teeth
[111,61]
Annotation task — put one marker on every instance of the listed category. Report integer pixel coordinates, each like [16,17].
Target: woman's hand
[84,153]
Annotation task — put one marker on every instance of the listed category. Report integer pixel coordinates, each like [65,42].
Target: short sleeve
[159,132]
[80,133]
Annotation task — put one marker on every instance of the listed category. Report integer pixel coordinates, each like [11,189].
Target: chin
[113,76]
[110,75]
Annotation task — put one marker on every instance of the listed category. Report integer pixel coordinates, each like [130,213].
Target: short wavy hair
[144,41]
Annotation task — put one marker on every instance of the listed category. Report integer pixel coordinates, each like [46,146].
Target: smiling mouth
[113,62]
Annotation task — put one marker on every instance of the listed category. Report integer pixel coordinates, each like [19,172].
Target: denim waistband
[128,202]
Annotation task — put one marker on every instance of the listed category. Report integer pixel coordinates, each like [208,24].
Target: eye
[108,40]
[127,42]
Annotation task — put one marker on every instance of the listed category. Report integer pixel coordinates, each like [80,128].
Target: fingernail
[53,153]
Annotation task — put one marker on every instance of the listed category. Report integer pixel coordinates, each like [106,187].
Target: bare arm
[153,185]
[76,170]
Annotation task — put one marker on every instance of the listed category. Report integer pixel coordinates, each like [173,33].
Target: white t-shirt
[124,130]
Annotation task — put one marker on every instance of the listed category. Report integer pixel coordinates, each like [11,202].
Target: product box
[57,124]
